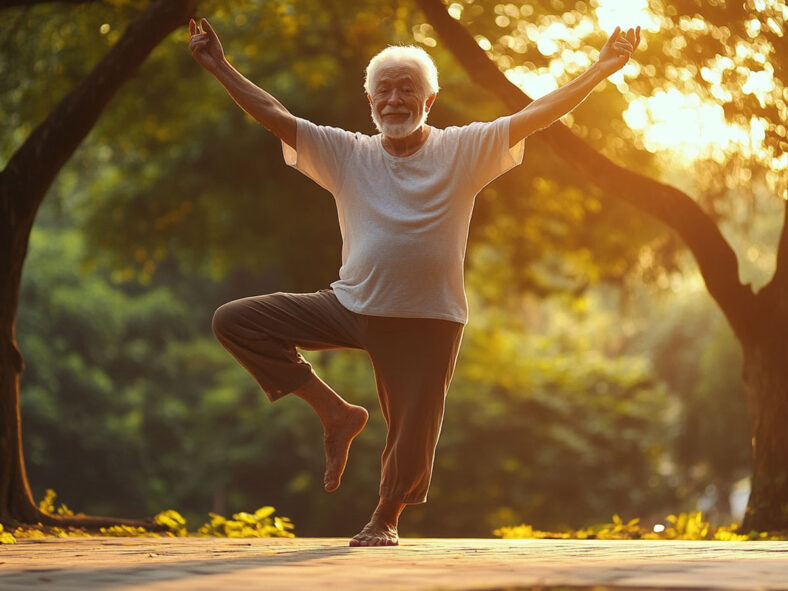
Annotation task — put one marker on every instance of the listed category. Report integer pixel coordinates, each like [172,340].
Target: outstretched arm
[544,111]
[207,51]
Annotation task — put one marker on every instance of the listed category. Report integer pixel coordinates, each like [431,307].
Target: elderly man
[404,199]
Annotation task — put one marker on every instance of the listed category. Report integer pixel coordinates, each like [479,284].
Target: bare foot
[339,433]
[376,534]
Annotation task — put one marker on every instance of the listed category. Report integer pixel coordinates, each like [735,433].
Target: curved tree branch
[24,3]
[716,259]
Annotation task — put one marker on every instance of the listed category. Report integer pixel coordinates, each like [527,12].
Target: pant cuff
[276,393]
[408,499]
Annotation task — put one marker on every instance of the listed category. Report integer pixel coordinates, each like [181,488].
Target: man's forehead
[398,72]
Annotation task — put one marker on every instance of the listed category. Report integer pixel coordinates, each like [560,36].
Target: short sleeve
[320,153]
[485,149]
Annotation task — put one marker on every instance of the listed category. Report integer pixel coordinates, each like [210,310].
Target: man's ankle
[388,512]
[326,403]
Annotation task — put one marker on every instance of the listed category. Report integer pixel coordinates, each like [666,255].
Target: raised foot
[338,436]
[375,534]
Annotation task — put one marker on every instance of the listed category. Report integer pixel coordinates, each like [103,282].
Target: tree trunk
[766,382]
[766,360]
[23,184]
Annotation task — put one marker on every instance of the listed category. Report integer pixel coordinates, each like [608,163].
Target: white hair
[397,54]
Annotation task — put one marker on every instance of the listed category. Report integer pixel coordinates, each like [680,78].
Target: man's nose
[396,97]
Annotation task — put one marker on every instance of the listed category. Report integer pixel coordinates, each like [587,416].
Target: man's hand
[617,50]
[205,46]
[545,110]
[269,112]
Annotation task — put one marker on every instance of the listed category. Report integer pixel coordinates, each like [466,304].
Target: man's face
[399,103]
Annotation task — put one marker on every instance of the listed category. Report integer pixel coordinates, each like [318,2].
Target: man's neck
[405,146]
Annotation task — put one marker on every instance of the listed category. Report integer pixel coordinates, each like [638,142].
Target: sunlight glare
[690,128]
[626,14]
[533,84]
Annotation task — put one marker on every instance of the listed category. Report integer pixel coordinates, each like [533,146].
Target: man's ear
[369,98]
[430,100]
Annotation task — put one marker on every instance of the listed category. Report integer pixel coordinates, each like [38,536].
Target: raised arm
[544,111]
[207,51]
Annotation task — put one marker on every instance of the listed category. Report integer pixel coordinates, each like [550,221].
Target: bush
[260,524]
[684,526]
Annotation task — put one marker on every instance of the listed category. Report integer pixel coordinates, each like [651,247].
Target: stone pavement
[425,564]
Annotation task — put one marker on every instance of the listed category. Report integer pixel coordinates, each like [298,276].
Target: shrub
[684,526]
[260,524]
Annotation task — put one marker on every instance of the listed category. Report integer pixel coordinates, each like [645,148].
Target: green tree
[24,182]
[747,36]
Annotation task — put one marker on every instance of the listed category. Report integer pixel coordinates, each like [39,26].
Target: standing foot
[339,433]
[376,533]
[382,527]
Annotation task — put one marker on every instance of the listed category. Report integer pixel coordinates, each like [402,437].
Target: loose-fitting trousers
[413,360]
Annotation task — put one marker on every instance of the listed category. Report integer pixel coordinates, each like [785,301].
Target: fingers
[624,44]
[209,29]
[625,41]
[633,36]
[198,43]
[613,36]
[194,31]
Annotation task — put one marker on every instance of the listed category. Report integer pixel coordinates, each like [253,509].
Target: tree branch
[17,3]
[716,259]
[33,167]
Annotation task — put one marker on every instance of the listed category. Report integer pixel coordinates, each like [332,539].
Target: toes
[374,538]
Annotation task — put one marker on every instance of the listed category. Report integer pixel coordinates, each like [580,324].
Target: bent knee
[226,318]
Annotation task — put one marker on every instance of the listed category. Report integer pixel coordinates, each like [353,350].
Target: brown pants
[413,360]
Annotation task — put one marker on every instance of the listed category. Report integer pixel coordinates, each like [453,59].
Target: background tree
[23,183]
[757,319]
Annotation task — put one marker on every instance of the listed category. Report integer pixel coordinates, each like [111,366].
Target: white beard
[397,130]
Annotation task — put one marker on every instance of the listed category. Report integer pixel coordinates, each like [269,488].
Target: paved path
[425,564]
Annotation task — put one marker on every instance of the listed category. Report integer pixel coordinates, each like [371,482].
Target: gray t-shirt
[404,220]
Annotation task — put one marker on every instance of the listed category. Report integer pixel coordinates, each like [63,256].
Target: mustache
[389,110]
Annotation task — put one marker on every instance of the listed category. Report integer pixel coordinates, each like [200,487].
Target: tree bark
[766,387]
[766,363]
[23,185]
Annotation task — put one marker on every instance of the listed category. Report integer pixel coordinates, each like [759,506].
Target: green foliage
[173,521]
[699,360]
[684,526]
[47,505]
[6,537]
[260,524]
